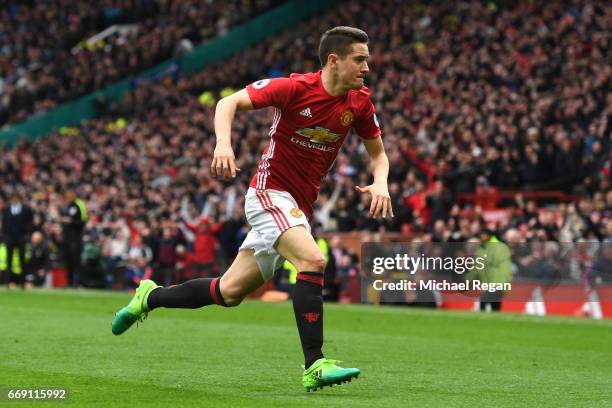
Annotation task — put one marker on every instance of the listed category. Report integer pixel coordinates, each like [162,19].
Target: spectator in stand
[16,230]
[344,215]
[73,217]
[167,256]
[38,261]
[92,262]
[184,265]
[231,234]
[439,203]
[138,263]
[116,251]
[204,247]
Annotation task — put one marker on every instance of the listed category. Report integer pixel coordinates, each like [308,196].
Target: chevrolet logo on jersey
[319,135]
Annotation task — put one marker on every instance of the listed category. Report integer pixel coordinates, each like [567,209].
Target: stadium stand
[50,52]
[482,106]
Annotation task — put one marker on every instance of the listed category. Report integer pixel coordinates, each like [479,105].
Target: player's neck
[331,83]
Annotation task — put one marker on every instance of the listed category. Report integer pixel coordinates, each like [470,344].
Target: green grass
[250,356]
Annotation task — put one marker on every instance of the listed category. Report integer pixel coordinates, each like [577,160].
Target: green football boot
[136,310]
[325,373]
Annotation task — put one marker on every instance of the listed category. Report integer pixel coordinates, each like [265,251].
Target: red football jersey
[307,132]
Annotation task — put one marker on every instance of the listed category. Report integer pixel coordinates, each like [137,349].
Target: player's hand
[381,201]
[223,166]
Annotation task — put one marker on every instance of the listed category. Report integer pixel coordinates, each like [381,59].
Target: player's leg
[9,263]
[299,247]
[241,278]
[21,248]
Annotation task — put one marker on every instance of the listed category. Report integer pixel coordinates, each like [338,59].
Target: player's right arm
[275,92]
[223,165]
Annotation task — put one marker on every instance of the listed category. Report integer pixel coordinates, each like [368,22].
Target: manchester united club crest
[311,317]
[296,212]
[347,118]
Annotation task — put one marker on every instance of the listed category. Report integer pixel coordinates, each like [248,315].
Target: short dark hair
[338,40]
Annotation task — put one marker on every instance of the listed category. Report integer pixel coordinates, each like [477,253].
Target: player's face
[353,68]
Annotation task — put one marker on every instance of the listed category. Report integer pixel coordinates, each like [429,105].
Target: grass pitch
[250,356]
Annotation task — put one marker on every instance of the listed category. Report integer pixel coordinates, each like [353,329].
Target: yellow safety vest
[16,264]
[79,203]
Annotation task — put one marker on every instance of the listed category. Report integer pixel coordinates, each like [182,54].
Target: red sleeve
[133,230]
[422,165]
[271,92]
[190,226]
[366,125]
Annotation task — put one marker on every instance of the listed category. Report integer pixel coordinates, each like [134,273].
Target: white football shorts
[270,213]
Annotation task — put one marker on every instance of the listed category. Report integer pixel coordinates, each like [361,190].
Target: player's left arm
[381,200]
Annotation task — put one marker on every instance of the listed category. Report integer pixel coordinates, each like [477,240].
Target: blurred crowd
[471,96]
[45,58]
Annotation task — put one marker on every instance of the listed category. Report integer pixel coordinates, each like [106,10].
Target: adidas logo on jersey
[306,112]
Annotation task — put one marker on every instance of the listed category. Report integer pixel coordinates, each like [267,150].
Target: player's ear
[332,60]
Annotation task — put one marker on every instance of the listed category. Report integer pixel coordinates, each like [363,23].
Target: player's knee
[233,301]
[232,295]
[313,262]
